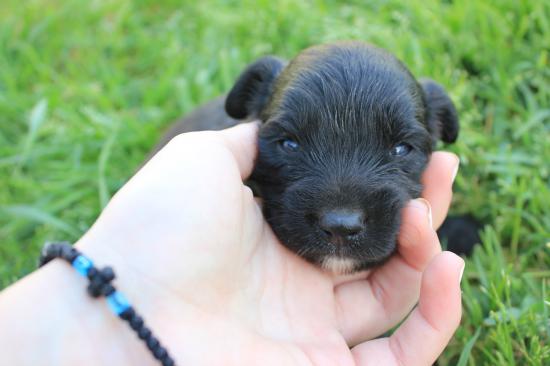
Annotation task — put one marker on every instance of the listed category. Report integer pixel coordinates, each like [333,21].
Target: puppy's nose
[340,224]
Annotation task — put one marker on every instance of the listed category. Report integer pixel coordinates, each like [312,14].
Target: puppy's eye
[401,149]
[289,145]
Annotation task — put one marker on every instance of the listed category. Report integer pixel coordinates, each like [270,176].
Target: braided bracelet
[100,285]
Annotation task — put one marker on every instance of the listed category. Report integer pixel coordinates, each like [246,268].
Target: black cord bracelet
[100,285]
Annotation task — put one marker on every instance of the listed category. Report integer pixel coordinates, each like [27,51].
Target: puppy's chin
[347,262]
[346,265]
[339,265]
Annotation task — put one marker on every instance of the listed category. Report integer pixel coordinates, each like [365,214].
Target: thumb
[241,140]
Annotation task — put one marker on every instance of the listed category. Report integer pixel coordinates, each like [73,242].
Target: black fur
[460,234]
[331,119]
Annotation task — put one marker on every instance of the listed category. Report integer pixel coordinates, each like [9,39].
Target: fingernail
[461,273]
[421,202]
[456,167]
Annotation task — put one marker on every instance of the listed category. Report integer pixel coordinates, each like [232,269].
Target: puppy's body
[209,117]
[347,132]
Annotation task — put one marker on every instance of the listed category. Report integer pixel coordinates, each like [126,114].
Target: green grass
[86,87]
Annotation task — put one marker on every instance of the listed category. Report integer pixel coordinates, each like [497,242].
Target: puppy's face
[346,136]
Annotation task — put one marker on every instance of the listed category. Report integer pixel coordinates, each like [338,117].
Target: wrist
[49,319]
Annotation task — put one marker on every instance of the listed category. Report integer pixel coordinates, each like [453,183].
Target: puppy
[346,134]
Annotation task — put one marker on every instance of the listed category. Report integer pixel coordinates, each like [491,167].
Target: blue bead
[82,265]
[117,303]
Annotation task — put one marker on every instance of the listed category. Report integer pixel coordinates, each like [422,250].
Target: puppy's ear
[441,114]
[253,87]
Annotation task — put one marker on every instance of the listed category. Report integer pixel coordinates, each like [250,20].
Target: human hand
[196,258]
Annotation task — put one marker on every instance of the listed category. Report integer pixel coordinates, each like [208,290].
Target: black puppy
[347,132]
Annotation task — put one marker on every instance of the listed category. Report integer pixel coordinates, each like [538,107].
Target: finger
[438,183]
[241,140]
[370,307]
[418,242]
[426,332]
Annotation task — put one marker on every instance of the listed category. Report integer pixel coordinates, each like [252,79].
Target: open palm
[198,260]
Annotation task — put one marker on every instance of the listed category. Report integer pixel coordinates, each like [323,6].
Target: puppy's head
[346,134]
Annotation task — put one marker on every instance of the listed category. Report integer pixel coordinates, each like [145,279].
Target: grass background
[86,88]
